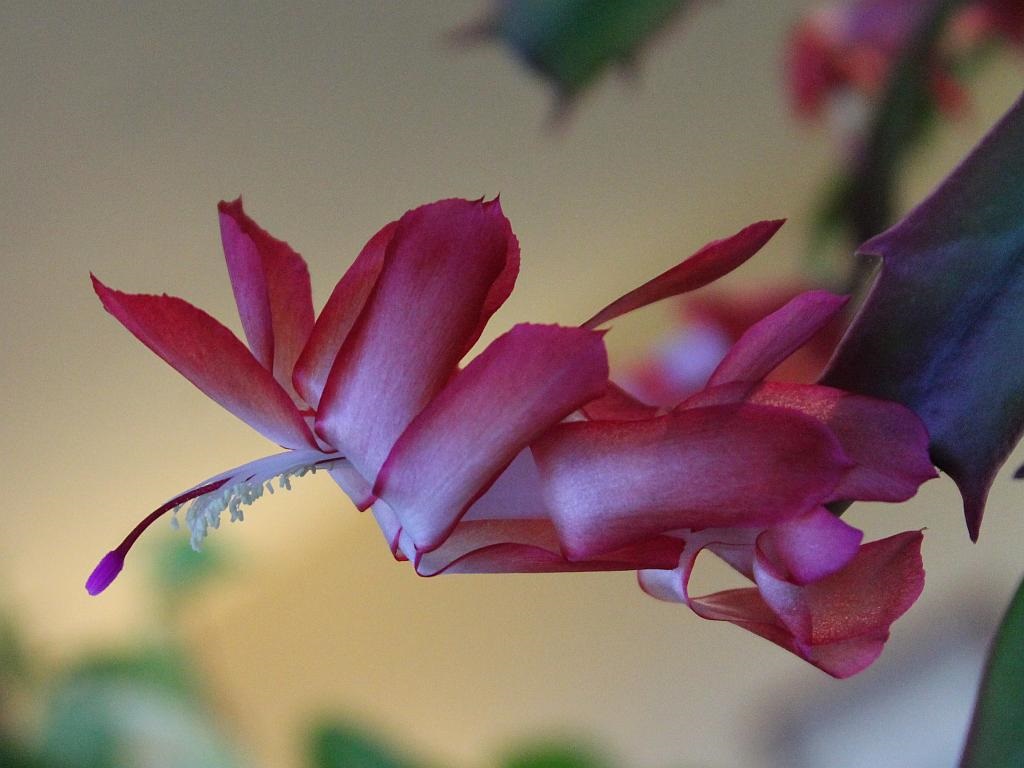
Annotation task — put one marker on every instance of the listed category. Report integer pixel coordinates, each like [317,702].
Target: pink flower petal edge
[272,291]
[711,262]
[447,268]
[525,382]
[609,484]
[211,357]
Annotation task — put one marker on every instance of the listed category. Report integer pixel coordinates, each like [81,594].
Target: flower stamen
[228,492]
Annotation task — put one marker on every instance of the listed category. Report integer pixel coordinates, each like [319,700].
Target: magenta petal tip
[105,573]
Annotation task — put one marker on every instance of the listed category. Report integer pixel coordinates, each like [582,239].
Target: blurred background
[122,125]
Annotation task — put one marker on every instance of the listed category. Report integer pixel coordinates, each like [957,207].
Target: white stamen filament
[205,511]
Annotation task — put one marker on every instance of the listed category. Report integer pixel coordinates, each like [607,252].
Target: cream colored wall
[122,124]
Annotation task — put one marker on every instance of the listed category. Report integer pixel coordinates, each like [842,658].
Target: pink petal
[711,262]
[339,315]
[508,530]
[746,609]
[609,484]
[618,405]
[846,658]
[734,545]
[448,266]
[354,485]
[877,587]
[271,286]
[808,548]
[524,382]
[774,338]
[839,623]
[531,546]
[211,357]
[390,527]
[887,441]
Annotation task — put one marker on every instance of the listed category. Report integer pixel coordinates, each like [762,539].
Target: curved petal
[839,623]
[531,546]
[746,609]
[771,340]
[616,404]
[211,357]
[887,441]
[271,286]
[448,266]
[609,484]
[339,315]
[877,587]
[389,526]
[808,548]
[524,382]
[711,262]
[354,485]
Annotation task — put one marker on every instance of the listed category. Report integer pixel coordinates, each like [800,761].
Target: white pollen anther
[205,511]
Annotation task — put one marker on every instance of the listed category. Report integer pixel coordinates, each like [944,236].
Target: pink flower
[381,362]
[337,393]
[843,52]
[528,458]
[783,451]
[708,325]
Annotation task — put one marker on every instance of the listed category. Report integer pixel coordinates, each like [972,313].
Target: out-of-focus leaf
[130,712]
[572,42]
[179,569]
[340,745]
[553,754]
[14,756]
[154,667]
[863,198]
[996,738]
[943,327]
[13,659]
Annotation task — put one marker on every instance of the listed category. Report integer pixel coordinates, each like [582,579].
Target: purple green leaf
[570,43]
[942,328]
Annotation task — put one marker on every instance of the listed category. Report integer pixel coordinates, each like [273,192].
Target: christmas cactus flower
[528,458]
[630,473]
[842,53]
[336,393]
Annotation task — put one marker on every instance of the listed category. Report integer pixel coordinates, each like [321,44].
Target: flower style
[528,458]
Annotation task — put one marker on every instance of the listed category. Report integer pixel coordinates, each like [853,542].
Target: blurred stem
[901,122]
[862,201]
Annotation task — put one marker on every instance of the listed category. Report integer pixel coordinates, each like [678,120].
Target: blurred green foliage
[341,745]
[554,754]
[571,43]
[177,567]
[136,708]
[996,738]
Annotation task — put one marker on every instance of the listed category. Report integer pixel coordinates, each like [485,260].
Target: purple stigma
[112,563]
[104,574]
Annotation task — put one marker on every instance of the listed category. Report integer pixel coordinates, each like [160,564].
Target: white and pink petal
[271,285]
[523,383]
[447,267]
